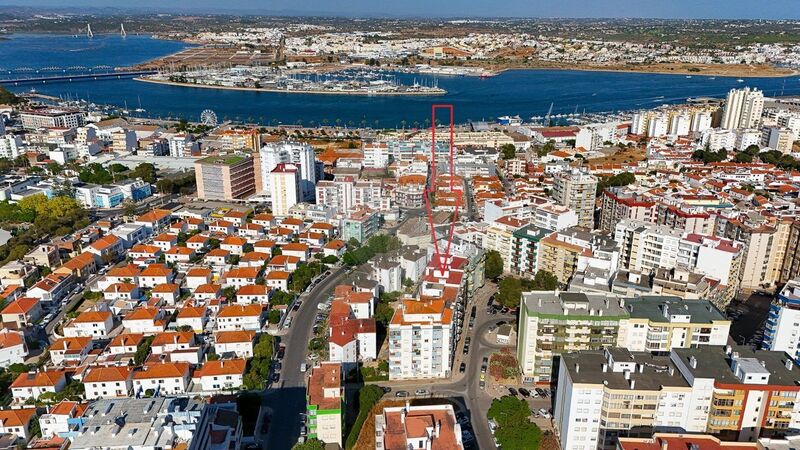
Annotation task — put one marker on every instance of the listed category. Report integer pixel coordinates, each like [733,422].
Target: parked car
[512,391]
[401,394]
[524,392]
[544,413]
[422,392]
[462,368]
[386,389]
[303,367]
[466,349]
[276,377]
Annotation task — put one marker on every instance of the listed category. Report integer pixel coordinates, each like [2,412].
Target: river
[516,92]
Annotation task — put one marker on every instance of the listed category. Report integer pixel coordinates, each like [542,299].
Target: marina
[267,79]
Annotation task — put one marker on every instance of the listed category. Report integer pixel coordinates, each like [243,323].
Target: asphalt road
[287,398]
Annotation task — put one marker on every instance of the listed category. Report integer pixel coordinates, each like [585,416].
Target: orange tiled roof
[107,374]
[222,367]
[229,337]
[162,370]
[240,311]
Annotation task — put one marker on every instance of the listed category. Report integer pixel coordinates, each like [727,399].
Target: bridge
[40,78]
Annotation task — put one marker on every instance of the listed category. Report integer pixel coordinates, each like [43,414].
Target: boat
[688,76]
[740,80]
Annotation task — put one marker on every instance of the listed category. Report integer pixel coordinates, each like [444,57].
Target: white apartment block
[420,340]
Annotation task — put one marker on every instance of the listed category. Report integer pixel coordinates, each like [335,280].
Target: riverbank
[286,91]
[708,70]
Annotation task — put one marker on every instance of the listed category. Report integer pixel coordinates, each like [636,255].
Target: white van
[303,367]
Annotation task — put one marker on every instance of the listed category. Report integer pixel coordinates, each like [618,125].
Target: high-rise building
[743,109]
[577,191]
[285,188]
[420,340]
[299,154]
[781,333]
[51,118]
[224,177]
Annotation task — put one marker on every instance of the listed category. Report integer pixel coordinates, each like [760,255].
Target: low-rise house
[17,273]
[429,426]
[217,257]
[154,220]
[122,291]
[253,259]
[22,312]
[237,343]
[145,252]
[266,220]
[241,276]
[126,343]
[70,350]
[33,384]
[234,244]
[278,279]
[312,239]
[197,242]
[108,248]
[222,227]
[192,316]
[165,241]
[336,248]
[321,227]
[171,341]
[179,255]
[13,349]
[108,382]
[207,291]
[253,293]
[251,232]
[169,292]
[16,422]
[81,266]
[61,419]
[286,263]
[91,323]
[165,378]
[125,274]
[237,218]
[239,317]
[145,320]
[264,246]
[154,275]
[197,276]
[297,249]
[52,288]
[223,374]
[195,224]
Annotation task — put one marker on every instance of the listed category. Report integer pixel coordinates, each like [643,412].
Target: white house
[165,378]
[239,317]
[222,374]
[90,323]
[239,343]
[108,382]
[12,347]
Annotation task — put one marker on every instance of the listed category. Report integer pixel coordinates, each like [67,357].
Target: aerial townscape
[297,229]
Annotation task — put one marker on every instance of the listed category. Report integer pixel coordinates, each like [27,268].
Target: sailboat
[89,33]
[122,30]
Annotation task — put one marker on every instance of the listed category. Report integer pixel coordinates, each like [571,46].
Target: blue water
[524,92]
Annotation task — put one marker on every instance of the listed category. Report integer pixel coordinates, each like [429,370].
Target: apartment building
[782,330]
[556,323]
[51,118]
[646,247]
[360,224]
[562,253]
[285,188]
[525,250]
[325,402]
[734,393]
[577,191]
[743,108]
[299,154]
[224,177]
[618,205]
[421,340]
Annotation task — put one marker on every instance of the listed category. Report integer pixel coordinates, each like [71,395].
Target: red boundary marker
[442,259]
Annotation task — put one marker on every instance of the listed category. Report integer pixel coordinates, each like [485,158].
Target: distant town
[625,281]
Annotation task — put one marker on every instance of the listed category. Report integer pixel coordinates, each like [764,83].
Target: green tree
[145,171]
[494,264]
[368,396]
[743,157]
[515,430]
[143,350]
[274,316]
[96,174]
[311,444]
[508,151]
[544,281]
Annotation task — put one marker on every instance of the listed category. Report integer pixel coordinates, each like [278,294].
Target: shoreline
[284,91]
[683,73]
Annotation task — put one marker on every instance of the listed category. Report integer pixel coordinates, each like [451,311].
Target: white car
[544,413]
[303,367]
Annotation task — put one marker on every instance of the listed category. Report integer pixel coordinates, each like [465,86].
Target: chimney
[641,368]
[763,363]
[540,302]
[403,416]
[671,370]
[789,364]
[728,350]
[627,374]
[664,444]
[693,362]
[605,367]
[438,428]
[633,384]
[577,368]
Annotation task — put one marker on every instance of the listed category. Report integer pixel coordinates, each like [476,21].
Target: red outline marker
[442,260]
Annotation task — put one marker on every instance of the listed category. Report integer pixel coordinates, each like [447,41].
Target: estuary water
[525,93]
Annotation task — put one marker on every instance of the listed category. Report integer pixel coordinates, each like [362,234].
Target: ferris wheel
[208,117]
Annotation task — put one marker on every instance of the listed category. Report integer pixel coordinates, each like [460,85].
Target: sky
[727,9]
